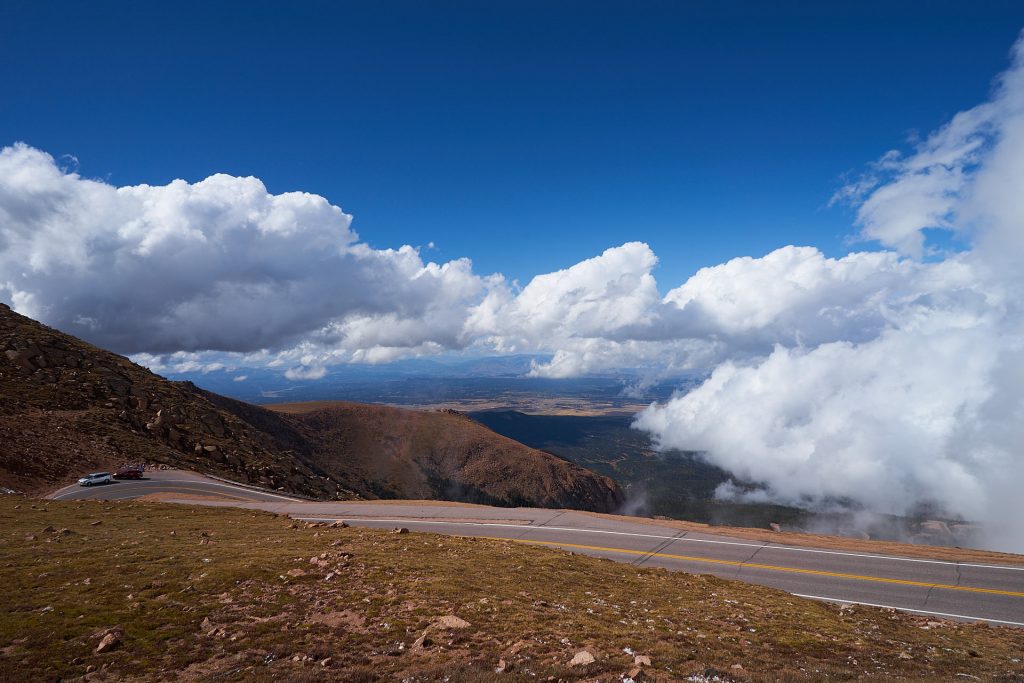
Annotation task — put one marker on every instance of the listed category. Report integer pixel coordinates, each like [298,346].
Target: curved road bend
[930,587]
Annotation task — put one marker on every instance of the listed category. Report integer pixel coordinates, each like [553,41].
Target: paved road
[931,587]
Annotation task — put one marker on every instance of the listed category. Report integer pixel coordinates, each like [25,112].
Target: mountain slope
[444,454]
[68,407]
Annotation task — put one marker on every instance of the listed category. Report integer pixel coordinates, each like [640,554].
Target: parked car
[96,478]
[129,472]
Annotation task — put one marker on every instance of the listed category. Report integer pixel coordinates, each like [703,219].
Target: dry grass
[222,594]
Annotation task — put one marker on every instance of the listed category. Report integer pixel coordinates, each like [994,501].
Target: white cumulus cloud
[220,265]
[892,384]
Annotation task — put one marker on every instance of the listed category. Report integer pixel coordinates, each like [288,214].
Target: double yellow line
[774,568]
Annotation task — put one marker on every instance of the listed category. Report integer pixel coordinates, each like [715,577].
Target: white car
[96,478]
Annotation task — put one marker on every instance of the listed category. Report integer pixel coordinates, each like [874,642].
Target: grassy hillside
[219,594]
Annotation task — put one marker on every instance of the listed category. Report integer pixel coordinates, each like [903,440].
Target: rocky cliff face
[67,407]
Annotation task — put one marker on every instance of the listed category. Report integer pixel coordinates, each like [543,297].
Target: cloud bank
[922,405]
[891,379]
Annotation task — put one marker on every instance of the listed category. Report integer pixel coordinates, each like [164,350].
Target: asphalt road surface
[931,587]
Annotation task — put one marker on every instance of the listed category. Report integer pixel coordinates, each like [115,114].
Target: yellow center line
[771,567]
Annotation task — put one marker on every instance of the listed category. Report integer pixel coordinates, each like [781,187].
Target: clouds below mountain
[920,402]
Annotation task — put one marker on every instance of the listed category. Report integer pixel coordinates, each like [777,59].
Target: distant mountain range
[443,379]
[67,407]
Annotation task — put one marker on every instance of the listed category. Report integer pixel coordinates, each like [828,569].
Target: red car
[129,472]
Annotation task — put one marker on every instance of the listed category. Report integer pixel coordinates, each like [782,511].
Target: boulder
[582,658]
[110,640]
[22,358]
[450,621]
[213,424]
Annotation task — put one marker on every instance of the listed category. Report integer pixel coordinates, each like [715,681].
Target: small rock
[401,530]
[49,529]
[642,660]
[326,661]
[774,526]
[89,669]
[736,667]
[96,523]
[636,674]
[582,658]
[108,643]
[450,621]
[502,667]
[906,655]
[339,525]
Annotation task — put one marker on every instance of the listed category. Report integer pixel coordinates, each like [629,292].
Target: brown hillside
[67,407]
[445,455]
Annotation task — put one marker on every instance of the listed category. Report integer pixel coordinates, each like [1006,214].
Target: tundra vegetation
[144,591]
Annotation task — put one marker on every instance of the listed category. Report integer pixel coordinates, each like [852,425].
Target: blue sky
[535,136]
[524,135]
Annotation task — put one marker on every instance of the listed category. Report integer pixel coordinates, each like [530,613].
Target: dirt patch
[346,619]
[185,497]
[436,503]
